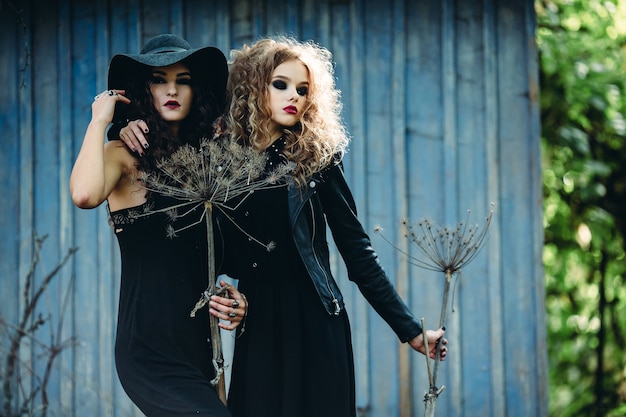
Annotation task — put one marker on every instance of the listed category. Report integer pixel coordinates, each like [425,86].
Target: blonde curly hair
[320,137]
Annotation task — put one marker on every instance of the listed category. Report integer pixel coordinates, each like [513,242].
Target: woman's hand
[103,106]
[233,308]
[133,136]
[434,337]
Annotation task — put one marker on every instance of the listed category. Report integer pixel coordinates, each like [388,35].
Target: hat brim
[208,64]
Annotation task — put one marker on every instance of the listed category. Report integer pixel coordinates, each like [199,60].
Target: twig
[24,329]
[27,54]
[442,321]
[427,353]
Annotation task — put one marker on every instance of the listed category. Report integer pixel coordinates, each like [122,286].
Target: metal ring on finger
[232,313]
[111,93]
[235,304]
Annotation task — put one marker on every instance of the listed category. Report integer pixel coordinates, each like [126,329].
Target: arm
[97,169]
[360,258]
[363,266]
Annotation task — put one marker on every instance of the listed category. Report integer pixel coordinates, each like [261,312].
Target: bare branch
[25,330]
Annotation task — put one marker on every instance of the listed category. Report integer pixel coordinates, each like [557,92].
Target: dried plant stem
[442,318]
[216,338]
[427,353]
[430,398]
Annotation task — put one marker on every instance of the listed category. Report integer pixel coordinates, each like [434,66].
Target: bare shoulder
[127,191]
[117,147]
[116,151]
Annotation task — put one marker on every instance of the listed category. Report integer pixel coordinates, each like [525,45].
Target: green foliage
[581,46]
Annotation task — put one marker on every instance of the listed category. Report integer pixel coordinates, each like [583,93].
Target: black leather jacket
[327,198]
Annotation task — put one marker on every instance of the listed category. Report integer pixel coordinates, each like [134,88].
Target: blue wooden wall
[441,98]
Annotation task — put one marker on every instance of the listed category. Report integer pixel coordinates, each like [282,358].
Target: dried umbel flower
[220,174]
[445,249]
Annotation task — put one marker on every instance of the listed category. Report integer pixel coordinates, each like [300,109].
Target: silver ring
[96,97]
[235,303]
[112,93]
[232,314]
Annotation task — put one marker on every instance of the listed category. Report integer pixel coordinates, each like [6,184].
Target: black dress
[294,359]
[163,356]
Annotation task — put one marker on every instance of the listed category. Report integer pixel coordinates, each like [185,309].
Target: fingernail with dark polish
[145,145]
[443,328]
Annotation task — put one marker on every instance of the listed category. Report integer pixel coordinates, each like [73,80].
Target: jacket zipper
[335,301]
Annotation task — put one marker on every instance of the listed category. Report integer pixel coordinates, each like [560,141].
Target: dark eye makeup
[279,84]
[282,85]
[157,79]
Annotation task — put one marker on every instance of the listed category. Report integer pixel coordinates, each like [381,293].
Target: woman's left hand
[233,308]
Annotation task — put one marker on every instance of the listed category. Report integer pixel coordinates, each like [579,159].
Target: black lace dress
[163,356]
[294,359]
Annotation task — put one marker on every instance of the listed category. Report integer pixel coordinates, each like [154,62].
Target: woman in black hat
[163,356]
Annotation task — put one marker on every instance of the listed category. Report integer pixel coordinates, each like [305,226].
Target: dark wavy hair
[205,108]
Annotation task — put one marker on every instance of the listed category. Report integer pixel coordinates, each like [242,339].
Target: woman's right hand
[133,136]
[103,106]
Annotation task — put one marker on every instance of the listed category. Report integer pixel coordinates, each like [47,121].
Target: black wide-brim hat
[206,64]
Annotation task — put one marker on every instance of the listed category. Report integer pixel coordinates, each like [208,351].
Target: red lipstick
[172,104]
[291,110]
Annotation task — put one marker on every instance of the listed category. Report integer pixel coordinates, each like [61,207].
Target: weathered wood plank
[520,199]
